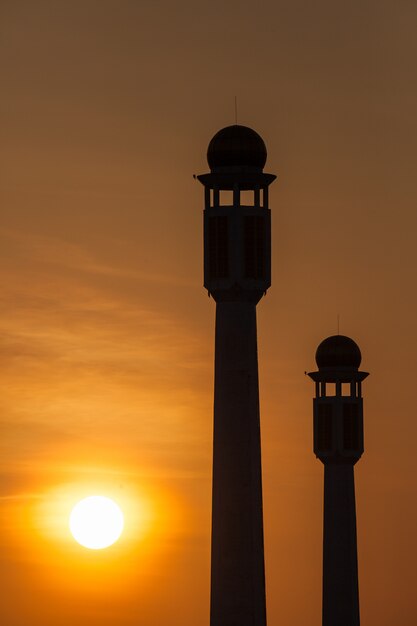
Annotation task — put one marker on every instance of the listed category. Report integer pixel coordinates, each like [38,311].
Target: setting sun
[96,522]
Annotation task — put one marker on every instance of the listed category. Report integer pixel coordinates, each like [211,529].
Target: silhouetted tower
[237,273]
[338,443]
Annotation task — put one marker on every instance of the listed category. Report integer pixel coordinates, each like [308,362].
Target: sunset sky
[106,332]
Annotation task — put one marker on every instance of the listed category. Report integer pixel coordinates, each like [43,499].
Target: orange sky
[106,349]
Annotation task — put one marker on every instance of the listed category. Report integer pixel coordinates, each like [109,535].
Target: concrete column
[237,575]
[340,565]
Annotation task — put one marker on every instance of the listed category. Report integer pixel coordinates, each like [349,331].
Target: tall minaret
[237,273]
[338,443]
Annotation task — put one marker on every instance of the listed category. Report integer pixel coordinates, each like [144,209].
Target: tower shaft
[237,575]
[340,565]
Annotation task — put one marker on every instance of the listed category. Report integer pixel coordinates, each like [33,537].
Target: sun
[96,522]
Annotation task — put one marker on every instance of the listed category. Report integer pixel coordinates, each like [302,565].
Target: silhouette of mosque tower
[237,273]
[338,443]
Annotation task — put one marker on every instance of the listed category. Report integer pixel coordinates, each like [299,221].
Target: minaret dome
[236,147]
[338,352]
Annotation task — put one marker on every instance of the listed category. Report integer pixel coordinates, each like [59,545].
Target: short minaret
[338,443]
[237,273]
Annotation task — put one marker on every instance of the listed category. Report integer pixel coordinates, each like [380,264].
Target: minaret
[237,273]
[338,443]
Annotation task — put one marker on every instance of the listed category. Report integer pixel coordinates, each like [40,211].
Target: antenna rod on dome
[236,110]
[338,324]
